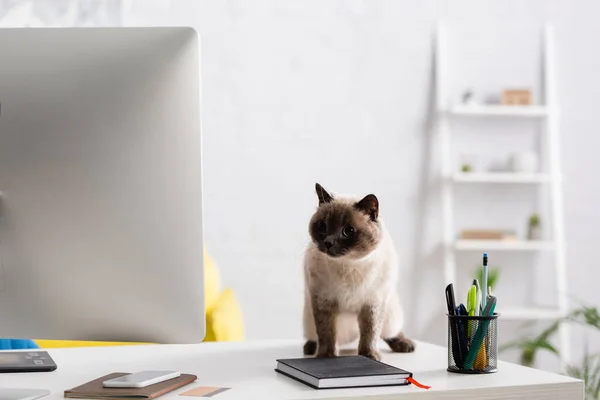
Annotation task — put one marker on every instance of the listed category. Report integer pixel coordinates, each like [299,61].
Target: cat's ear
[369,205]
[324,196]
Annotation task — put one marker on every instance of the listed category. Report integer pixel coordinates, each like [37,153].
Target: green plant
[589,370]
[493,275]
[466,168]
[530,346]
[534,220]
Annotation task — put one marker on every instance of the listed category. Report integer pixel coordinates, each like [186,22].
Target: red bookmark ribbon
[417,384]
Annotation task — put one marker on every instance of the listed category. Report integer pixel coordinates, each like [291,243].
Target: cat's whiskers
[307,251]
[303,253]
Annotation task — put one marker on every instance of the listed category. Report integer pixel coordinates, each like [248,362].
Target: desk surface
[248,369]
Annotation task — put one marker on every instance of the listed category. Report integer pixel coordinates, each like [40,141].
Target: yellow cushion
[225,323]
[223,314]
[212,283]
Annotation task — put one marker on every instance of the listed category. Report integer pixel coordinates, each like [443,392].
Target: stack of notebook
[95,390]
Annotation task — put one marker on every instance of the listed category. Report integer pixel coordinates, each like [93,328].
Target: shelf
[492,110]
[529,313]
[499,177]
[502,245]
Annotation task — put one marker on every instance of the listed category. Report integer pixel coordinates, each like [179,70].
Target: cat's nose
[328,243]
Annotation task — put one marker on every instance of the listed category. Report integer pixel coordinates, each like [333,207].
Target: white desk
[248,368]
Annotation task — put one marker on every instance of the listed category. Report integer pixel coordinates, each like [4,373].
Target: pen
[481,359]
[450,299]
[484,284]
[457,351]
[480,336]
[478,298]
[462,330]
[471,306]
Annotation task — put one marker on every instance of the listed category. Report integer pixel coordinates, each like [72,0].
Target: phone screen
[142,376]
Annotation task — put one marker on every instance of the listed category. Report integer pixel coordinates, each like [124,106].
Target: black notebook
[342,372]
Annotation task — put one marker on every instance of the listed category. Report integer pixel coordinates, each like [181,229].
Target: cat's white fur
[372,279]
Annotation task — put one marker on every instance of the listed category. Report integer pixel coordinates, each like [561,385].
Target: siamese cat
[351,276]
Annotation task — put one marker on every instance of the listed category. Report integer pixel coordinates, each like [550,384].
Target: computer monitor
[100,174]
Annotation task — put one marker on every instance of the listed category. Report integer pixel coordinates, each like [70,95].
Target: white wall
[339,92]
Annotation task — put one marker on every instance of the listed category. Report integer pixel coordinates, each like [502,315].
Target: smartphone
[141,379]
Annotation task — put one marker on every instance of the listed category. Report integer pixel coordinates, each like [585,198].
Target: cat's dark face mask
[341,227]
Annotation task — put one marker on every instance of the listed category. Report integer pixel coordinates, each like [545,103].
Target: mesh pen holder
[473,344]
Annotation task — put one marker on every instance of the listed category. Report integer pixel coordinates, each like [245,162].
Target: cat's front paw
[401,344]
[310,348]
[326,352]
[370,353]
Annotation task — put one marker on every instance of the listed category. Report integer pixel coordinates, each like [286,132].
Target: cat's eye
[322,227]
[348,231]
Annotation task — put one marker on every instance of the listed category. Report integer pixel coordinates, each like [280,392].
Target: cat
[350,274]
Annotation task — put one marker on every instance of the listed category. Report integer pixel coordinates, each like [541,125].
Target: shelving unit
[547,114]
[493,110]
[499,177]
[502,245]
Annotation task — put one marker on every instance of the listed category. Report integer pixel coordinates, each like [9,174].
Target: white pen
[478,299]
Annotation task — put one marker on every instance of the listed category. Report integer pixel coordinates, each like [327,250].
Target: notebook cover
[95,390]
[342,367]
[338,387]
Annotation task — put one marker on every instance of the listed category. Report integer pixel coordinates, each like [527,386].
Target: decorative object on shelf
[487,234]
[467,97]
[525,162]
[516,97]
[493,99]
[534,231]
[468,162]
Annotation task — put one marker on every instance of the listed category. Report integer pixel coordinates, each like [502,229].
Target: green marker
[480,334]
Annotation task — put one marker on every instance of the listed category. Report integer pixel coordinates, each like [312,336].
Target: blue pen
[462,328]
[484,284]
